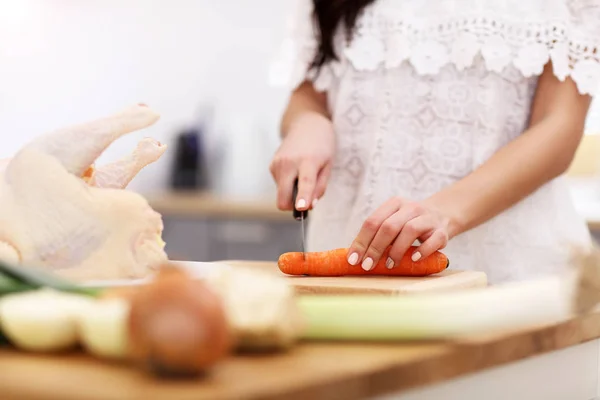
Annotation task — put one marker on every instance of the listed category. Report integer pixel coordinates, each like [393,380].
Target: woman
[444,122]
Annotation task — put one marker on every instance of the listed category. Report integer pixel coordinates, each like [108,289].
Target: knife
[299,216]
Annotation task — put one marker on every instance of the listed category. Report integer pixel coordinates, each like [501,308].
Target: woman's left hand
[399,222]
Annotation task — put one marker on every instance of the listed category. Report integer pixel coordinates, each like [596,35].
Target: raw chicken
[58,211]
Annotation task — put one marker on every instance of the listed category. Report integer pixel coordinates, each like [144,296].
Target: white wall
[65,61]
[593,121]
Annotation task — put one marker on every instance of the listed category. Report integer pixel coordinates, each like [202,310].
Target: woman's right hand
[306,153]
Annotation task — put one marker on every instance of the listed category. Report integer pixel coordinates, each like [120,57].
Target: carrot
[335,263]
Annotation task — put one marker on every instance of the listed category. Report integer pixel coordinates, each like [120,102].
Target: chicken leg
[77,147]
[118,174]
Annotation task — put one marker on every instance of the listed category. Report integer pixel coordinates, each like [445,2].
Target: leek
[511,306]
[3,340]
[437,316]
[15,279]
[10,285]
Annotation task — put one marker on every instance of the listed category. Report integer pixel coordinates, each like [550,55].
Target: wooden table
[564,367]
[342,371]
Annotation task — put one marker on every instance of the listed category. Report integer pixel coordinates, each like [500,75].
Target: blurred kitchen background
[202,64]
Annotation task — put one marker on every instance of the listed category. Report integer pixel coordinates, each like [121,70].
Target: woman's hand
[305,153]
[399,222]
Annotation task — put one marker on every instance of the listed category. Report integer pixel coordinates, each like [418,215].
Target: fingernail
[301,203]
[353,259]
[416,256]
[389,264]
[315,201]
[367,264]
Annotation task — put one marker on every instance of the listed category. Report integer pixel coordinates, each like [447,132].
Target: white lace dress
[426,92]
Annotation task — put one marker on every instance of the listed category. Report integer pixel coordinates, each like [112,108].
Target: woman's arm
[305,99]
[544,151]
[306,151]
[541,153]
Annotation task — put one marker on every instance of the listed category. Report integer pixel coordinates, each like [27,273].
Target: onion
[177,326]
[43,320]
[103,328]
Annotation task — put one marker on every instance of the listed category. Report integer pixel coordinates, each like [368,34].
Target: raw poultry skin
[58,211]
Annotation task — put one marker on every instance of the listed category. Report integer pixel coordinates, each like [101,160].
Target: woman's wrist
[451,210]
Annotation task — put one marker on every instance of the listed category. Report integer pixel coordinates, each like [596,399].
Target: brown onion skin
[177,325]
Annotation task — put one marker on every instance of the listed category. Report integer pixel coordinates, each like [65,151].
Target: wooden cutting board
[444,281]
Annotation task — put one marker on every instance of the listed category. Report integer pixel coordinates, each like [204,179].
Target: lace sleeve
[526,34]
[581,59]
[290,66]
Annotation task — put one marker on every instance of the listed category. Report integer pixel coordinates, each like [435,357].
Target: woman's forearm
[305,99]
[540,154]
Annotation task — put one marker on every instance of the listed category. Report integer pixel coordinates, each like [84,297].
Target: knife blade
[299,216]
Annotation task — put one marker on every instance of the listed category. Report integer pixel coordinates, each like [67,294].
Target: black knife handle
[298,215]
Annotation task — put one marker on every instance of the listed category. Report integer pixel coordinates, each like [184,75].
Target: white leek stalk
[438,316]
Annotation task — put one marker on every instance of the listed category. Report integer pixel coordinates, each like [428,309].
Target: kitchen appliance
[189,169]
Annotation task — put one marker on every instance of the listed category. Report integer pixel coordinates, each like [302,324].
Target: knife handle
[298,215]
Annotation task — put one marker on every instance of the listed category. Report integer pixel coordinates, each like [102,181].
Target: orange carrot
[335,263]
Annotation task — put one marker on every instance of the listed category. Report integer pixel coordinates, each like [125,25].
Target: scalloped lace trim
[383,40]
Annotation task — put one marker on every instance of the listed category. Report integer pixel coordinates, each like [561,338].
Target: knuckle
[395,253]
[358,246]
[388,228]
[442,238]
[417,208]
[273,167]
[314,158]
[371,224]
[281,204]
[443,235]
[320,191]
[396,200]
[307,179]
[284,158]
[276,158]
[375,252]
[410,228]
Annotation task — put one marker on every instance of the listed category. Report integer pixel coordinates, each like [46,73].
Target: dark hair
[328,15]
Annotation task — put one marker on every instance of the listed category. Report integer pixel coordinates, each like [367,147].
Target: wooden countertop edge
[594,225]
[201,204]
[394,376]
[475,356]
[393,373]
[471,357]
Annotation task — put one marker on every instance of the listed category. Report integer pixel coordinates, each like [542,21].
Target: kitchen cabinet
[206,238]
[200,226]
[203,227]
